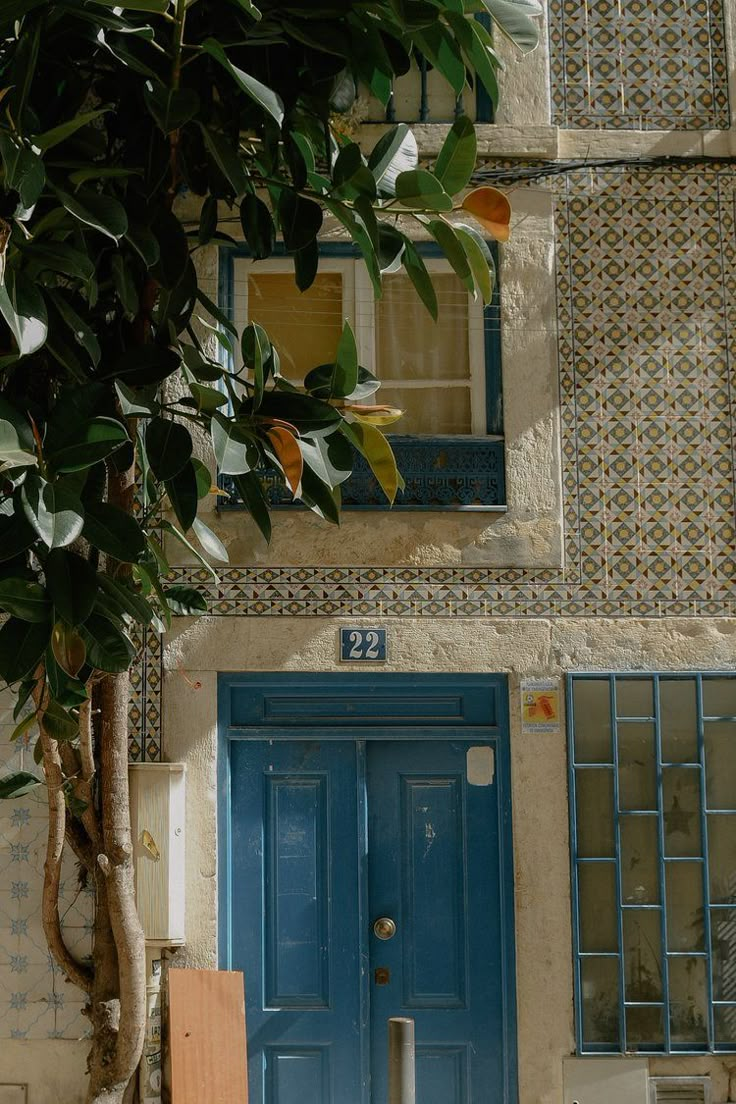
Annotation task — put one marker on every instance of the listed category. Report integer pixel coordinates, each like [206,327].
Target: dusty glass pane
[722,858]
[305,326]
[678,720]
[681,811]
[409,345]
[599,977]
[720,764]
[685,920]
[643,954]
[725,1023]
[423,413]
[723,943]
[594,804]
[637,757]
[598,907]
[639,860]
[592,711]
[634,697]
[644,1028]
[688,1000]
[719,697]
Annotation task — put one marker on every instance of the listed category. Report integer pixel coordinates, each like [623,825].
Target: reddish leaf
[492,210]
[289,455]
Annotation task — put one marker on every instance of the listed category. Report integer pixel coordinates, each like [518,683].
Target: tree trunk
[118,999]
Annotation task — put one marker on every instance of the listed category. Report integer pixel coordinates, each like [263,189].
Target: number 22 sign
[363,645]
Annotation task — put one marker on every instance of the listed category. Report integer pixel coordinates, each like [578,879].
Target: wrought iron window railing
[653,842]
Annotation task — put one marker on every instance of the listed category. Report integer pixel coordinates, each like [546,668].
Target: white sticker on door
[480,764]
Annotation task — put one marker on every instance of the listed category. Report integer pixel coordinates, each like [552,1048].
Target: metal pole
[401,1079]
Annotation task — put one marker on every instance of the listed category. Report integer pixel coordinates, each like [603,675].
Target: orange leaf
[492,210]
[289,455]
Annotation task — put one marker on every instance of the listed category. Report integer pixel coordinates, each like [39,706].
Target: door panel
[434,869]
[295,918]
[302,920]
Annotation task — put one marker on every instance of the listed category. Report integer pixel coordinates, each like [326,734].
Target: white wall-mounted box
[157,808]
[605,1081]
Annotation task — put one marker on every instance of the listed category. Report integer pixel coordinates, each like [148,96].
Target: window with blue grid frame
[446,376]
[653,841]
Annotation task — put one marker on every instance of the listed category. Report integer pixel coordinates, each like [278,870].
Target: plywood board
[207,1037]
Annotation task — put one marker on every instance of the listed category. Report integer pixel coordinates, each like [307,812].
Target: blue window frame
[464,472]
[652,761]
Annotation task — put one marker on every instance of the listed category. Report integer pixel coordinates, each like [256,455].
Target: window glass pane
[643,954]
[644,1028]
[725,1022]
[678,720]
[427,410]
[639,860]
[305,326]
[599,977]
[685,919]
[681,811]
[720,764]
[722,859]
[723,939]
[598,907]
[594,799]
[409,345]
[637,783]
[688,1000]
[719,697]
[592,706]
[634,697]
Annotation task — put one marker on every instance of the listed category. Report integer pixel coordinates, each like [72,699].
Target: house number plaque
[363,645]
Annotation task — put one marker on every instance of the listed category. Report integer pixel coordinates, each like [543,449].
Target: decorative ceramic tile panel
[638,64]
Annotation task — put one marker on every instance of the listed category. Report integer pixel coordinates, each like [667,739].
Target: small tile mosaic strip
[638,64]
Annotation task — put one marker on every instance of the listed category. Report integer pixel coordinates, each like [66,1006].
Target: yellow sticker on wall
[540,705]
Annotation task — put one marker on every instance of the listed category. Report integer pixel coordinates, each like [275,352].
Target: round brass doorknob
[384,928]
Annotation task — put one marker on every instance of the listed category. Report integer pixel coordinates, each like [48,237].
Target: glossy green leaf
[306,263]
[179,536]
[18,784]
[53,510]
[203,477]
[23,308]
[59,723]
[159,6]
[227,159]
[22,727]
[24,599]
[251,492]
[186,601]
[259,93]
[108,648]
[80,329]
[479,258]
[134,405]
[22,643]
[258,227]
[419,188]
[478,50]
[114,532]
[101,212]
[182,492]
[140,367]
[210,542]
[94,440]
[60,133]
[68,649]
[417,272]
[168,446]
[125,598]
[453,249]
[235,451]
[440,48]
[24,170]
[170,107]
[207,220]
[456,161]
[300,219]
[394,153]
[16,536]
[379,454]
[12,454]
[72,585]
[321,499]
[60,257]
[514,18]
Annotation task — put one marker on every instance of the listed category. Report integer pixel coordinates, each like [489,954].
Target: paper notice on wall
[540,706]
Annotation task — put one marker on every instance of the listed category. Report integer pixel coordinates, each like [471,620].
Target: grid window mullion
[706,871]
[619,892]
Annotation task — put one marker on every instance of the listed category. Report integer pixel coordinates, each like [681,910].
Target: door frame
[297,705]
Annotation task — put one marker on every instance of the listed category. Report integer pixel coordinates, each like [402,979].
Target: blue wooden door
[433,866]
[327,837]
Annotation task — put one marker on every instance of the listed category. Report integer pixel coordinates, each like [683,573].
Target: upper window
[653,829]
[444,375]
